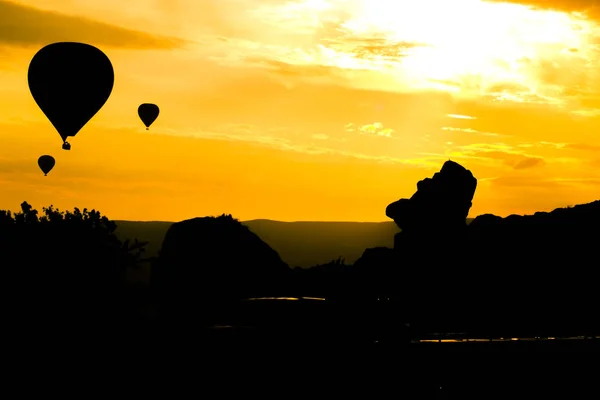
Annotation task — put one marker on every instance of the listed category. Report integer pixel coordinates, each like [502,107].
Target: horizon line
[366,222]
[270,220]
[258,219]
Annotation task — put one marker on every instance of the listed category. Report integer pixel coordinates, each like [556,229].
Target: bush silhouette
[64,265]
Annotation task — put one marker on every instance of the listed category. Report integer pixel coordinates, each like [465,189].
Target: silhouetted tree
[64,267]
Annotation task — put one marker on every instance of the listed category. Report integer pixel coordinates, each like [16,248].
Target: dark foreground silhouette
[219,292]
[514,277]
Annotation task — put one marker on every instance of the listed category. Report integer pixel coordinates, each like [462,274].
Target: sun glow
[464,46]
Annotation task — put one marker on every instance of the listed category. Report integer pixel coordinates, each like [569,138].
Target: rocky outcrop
[438,209]
[519,276]
[212,260]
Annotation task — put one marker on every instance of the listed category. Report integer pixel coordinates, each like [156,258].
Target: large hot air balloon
[70,82]
[46,163]
[148,113]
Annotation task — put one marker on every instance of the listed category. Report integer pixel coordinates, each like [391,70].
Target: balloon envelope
[46,163]
[70,82]
[148,113]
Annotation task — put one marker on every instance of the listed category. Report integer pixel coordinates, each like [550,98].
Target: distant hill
[152,232]
[305,244]
[300,244]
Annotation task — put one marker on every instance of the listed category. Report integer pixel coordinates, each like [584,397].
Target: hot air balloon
[70,82]
[46,163]
[148,113]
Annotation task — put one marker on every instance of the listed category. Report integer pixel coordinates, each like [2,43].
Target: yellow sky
[309,109]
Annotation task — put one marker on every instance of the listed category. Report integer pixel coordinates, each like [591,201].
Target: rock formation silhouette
[519,275]
[437,211]
[204,263]
[432,240]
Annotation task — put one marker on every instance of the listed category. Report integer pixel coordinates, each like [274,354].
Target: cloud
[458,116]
[303,61]
[371,48]
[517,56]
[470,130]
[375,129]
[27,26]
[590,7]
[527,182]
[582,146]
[504,153]
[288,145]
[289,69]
[15,166]
[516,93]
[589,112]
[529,162]
[579,181]
[560,146]
[251,134]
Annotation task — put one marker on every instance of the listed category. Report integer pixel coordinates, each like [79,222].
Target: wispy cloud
[581,181]
[375,129]
[287,69]
[470,130]
[589,7]
[27,26]
[582,146]
[560,146]
[289,145]
[498,152]
[252,134]
[532,182]
[452,129]
[458,116]
[529,162]
[525,182]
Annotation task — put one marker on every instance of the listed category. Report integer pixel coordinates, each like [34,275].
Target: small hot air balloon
[46,163]
[70,82]
[148,113]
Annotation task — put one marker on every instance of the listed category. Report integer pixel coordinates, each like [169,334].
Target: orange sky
[309,109]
